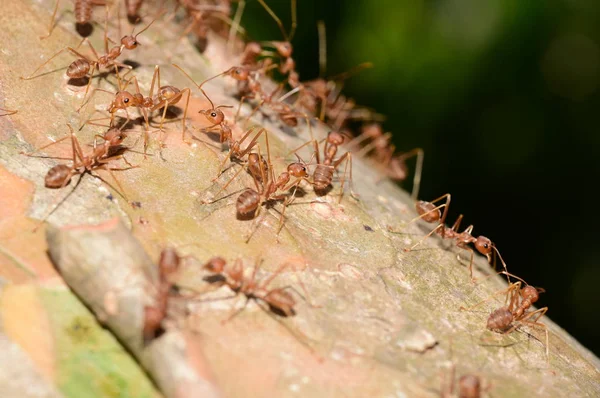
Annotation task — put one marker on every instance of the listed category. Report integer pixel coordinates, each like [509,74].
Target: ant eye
[214,114]
[126,100]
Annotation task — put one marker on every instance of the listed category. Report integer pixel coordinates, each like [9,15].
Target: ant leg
[515,287]
[418,152]
[422,239]
[235,25]
[60,201]
[87,88]
[236,312]
[33,75]
[252,113]
[85,102]
[470,263]
[252,143]
[348,158]
[45,146]
[226,185]
[538,314]
[306,144]
[51,26]
[237,113]
[187,102]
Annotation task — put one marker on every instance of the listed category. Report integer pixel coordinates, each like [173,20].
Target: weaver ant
[431,213]
[154,314]
[83,16]
[60,175]
[469,386]
[267,186]
[165,97]
[509,317]
[323,173]
[84,66]
[395,165]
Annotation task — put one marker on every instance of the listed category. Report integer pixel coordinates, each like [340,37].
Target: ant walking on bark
[431,213]
[520,299]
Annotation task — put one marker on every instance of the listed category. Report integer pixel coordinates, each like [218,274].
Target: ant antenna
[160,14]
[200,85]
[276,18]
[353,71]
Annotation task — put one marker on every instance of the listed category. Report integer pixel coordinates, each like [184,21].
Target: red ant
[60,175]
[323,173]
[283,49]
[431,214]
[168,265]
[85,66]
[267,186]
[395,165]
[214,115]
[278,300]
[508,318]
[469,386]
[165,97]
[83,15]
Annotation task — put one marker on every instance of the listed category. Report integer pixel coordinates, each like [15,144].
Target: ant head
[281,302]
[122,100]
[130,42]
[428,211]
[335,138]
[483,245]
[114,136]
[284,48]
[215,264]
[58,176]
[530,293]
[238,73]
[298,170]
[214,116]
[169,262]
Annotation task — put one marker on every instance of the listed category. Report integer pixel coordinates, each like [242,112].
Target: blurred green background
[503,97]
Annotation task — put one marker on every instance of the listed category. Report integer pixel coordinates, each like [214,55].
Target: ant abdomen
[133,9]
[167,93]
[83,11]
[500,319]
[322,177]
[247,202]
[281,302]
[58,176]
[78,69]
[428,211]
